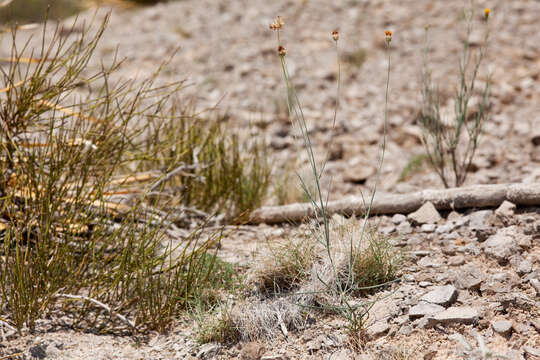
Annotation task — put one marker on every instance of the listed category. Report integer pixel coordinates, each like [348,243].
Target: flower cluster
[277,24]
[486,13]
[388,34]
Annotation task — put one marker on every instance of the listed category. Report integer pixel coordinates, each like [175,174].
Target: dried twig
[183,167]
[101,305]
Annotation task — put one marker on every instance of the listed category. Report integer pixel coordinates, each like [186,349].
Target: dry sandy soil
[488,261]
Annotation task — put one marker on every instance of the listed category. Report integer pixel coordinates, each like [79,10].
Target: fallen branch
[179,170]
[107,308]
[477,196]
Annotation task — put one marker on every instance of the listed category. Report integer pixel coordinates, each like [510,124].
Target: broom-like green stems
[444,142]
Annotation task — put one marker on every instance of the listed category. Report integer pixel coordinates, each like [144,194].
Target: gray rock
[424,284]
[524,241]
[344,354]
[398,219]
[428,228]
[424,308]
[535,283]
[536,324]
[378,329]
[524,267]
[428,262]
[506,209]
[503,327]
[449,249]
[501,245]
[408,278]
[479,219]
[387,229]
[314,345]
[38,351]
[458,314]
[531,351]
[500,283]
[441,295]
[482,234]
[420,253]
[456,260]
[453,216]
[209,351]
[424,323]
[446,228]
[405,330]
[426,214]
[404,228]
[358,173]
[469,277]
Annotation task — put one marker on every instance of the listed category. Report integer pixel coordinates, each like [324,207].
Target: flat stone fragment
[428,228]
[506,209]
[398,219]
[426,214]
[524,267]
[457,260]
[536,285]
[479,219]
[423,308]
[404,228]
[441,295]
[458,314]
[532,351]
[502,327]
[502,244]
[378,329]
[467,279]
[358,174]
[208,351]
[428,262]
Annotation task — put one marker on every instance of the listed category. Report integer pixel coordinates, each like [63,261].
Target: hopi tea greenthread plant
[451,140]
[343,283]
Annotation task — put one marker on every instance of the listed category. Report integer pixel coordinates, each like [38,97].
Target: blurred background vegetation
[30,11]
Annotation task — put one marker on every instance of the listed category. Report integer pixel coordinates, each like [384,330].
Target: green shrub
[451,139]
[82,229]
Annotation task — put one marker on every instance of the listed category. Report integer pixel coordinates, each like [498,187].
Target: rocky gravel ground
[474,273]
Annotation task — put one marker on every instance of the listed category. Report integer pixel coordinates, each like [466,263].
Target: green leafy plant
[451,139]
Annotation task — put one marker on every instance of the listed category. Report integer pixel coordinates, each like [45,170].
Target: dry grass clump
[300,262]
[217,326]
[283,266]
[266,319]
[298,276]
